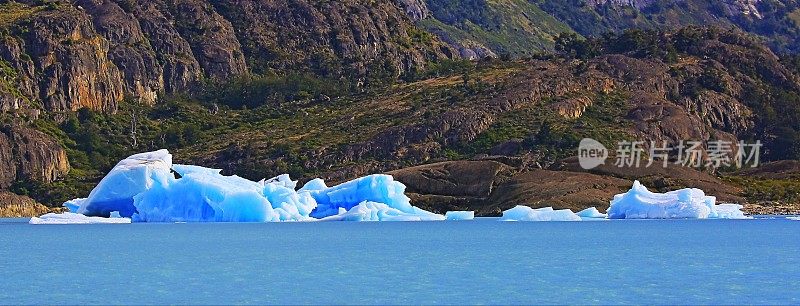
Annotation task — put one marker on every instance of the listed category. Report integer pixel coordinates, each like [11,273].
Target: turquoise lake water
[468,262]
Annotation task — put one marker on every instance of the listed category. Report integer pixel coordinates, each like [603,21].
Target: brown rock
[17,206]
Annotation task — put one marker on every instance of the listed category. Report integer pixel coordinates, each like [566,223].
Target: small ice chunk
[459,215]
[591,212]
[73,218]
[793,218]
[525,213]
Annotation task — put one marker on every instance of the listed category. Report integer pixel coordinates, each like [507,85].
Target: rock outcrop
[17,206]
[415,9]
[28,154]
[59,59]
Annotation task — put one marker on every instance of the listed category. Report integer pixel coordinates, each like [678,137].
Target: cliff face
[57,61]
[91,53]
[330,38]
[28,154]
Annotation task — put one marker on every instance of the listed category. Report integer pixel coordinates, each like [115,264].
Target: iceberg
[379,188]
[692,203]
[459,215]
[525,213]
[148,187]
[591,212]
[74,218]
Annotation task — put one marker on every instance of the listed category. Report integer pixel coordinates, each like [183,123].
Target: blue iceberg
[525,213]
[147,187]
[379,188]
[689,203]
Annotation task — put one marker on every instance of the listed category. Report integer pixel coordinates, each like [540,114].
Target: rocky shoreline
[776,209]
[16,206]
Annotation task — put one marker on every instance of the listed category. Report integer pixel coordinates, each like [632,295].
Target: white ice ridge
[639,203]
[73,218]
[525,213]
[148,187]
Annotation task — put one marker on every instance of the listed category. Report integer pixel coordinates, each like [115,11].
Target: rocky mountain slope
[491,28]
[339,89]
[774,20]
[66,55]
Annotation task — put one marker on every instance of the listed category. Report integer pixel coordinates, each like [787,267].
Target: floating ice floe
[591,212]
[525,213]
[459,215]
[639,203]
[793,218]
[147,187]
[73,218]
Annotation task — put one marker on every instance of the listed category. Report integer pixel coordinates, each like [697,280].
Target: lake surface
[468,262]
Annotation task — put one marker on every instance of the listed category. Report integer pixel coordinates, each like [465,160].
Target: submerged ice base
[148,187]
[689,203]
[73,218]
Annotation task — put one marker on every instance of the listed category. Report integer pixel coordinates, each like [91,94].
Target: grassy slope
[513,27]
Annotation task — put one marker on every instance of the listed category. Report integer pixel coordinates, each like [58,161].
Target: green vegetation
[508,27]
[12,11]
[758,190]
[253,90]
[543,130]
